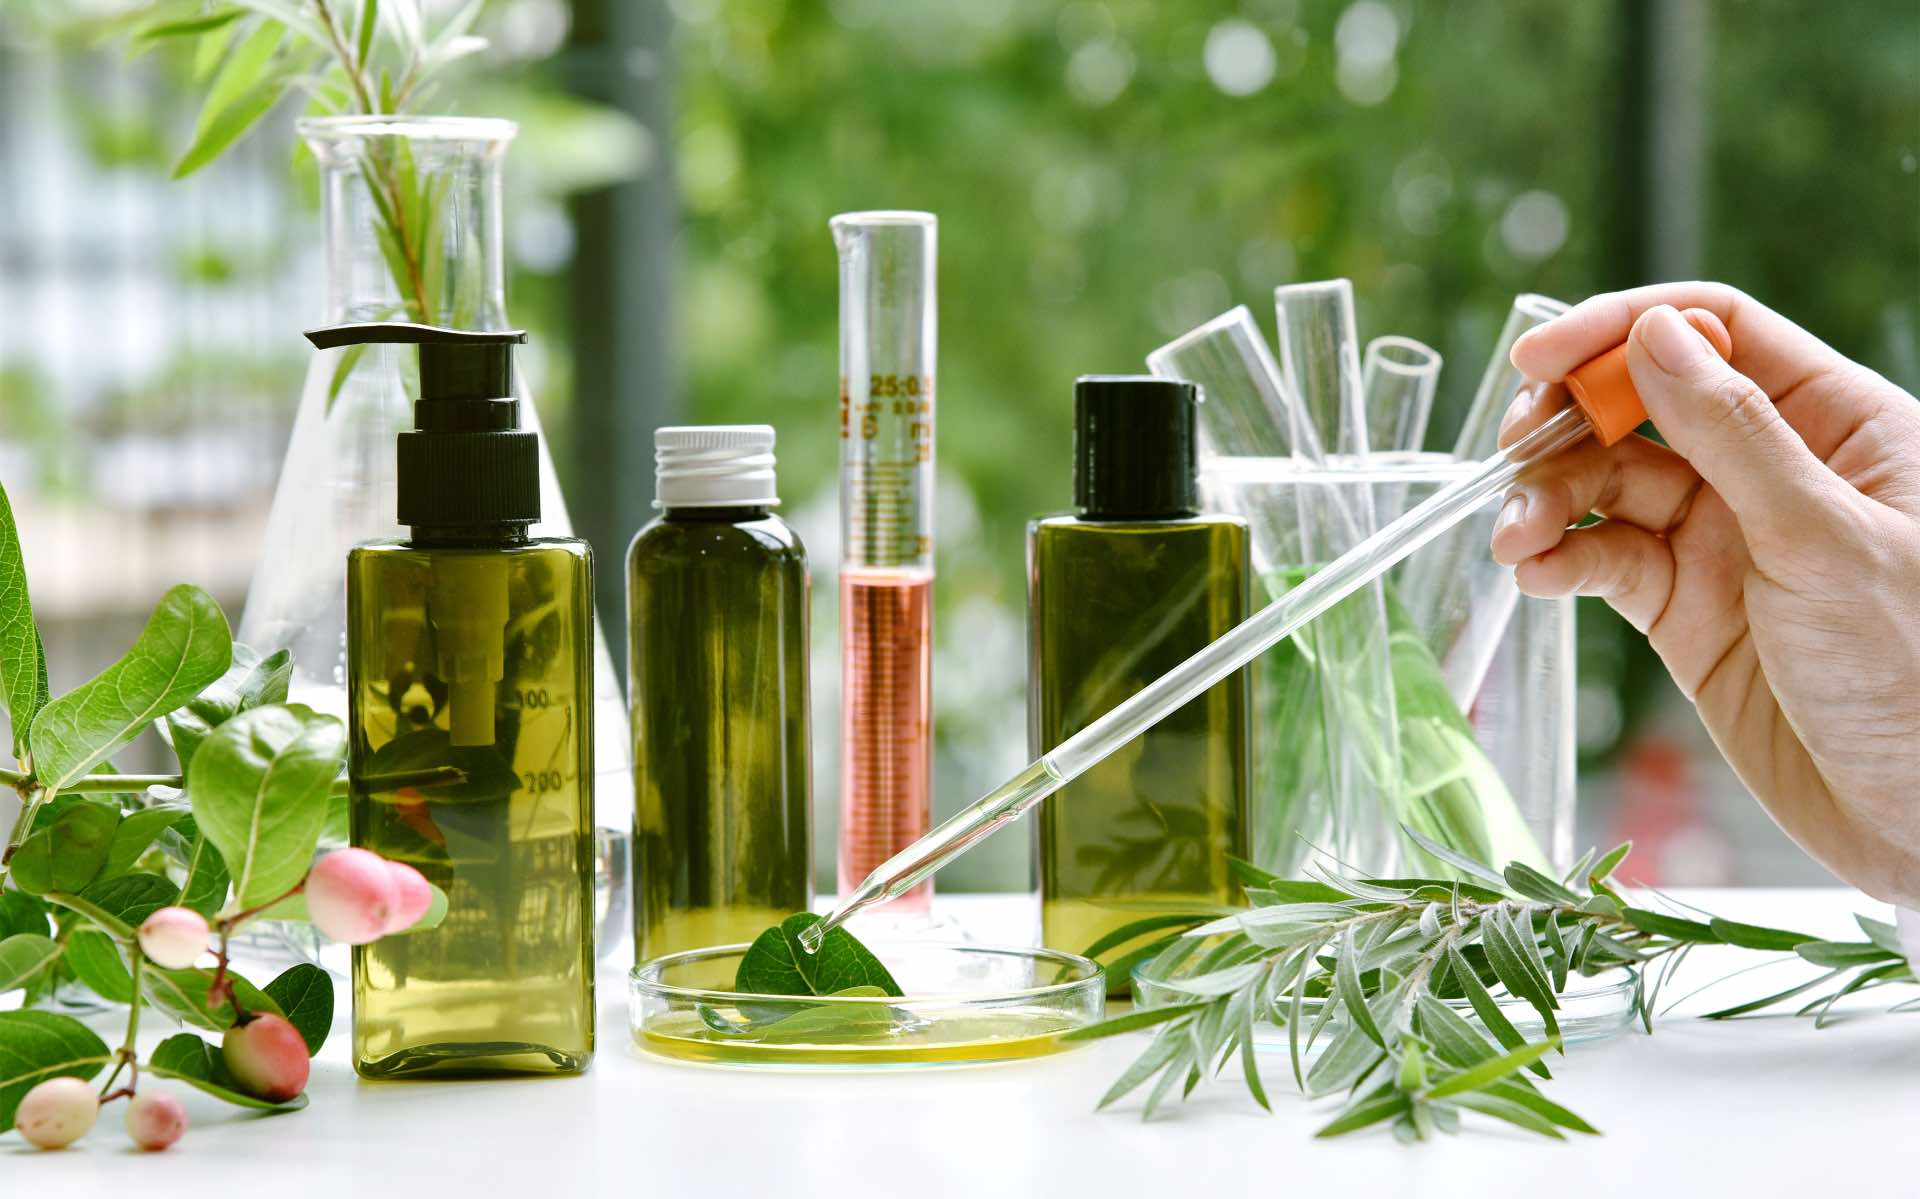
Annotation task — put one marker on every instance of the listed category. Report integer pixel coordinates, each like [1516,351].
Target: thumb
[1728,429]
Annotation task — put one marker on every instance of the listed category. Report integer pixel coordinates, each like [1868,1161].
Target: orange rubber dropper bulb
[1604,389]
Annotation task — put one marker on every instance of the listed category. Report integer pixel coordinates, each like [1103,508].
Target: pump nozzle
[468,479]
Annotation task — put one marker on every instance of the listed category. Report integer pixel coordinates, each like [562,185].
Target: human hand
[1770,551]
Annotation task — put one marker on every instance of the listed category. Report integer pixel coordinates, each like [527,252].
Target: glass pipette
[1604,400]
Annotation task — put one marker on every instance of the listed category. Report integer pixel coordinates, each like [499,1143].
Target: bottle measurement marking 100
[887,341]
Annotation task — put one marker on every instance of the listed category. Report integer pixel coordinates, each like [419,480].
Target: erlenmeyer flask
[411,215]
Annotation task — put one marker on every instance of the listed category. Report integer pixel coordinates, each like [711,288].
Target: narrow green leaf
[1176,1069]
[259,785]
[1346,984]
[1843,953]
[369,19]
[1484,1007]
[1577,875]
[188,28]
[1512,1113]
[23,660]
[1608,863]
[36,1046]
[1459,861]
[1661,924]
[24,955]
[1457,1042]
[1162,1051]
[305,994]
[1754,1005]
[1561,958]
[1859,982]
[1131,1021]
[1373,1108]
[245,69]
[1532,884]
[1518,1092]
[1480,1074]
[1885,935]
[185,646]
[1754,936]
[1138,928]
[230,126]
[1249,1059]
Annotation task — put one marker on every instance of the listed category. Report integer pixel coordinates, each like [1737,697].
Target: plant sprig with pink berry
[132,886]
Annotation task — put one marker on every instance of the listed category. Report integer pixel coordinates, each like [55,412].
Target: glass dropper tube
[1320,591]
[887,343]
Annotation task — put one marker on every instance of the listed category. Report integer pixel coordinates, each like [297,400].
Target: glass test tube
[887,342]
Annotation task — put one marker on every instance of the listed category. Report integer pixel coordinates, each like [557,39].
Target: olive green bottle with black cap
[470,686]
[1118,594]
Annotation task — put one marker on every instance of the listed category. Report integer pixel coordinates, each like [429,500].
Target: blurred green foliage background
[1107,174]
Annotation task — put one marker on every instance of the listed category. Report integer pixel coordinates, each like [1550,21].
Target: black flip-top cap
[1134,448]
[467,463]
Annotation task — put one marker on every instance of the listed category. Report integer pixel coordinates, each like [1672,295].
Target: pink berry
[57,1113]
[267,1057]
[155,1119]
[351,896]
[412,896]
[174,938]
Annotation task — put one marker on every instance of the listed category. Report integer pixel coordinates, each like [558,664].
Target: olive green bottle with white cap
[717,637]
[470,756]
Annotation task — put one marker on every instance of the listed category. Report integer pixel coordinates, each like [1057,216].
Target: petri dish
[964,1005]
[1590,1012]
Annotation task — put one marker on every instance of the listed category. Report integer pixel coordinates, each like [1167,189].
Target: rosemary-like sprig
[1398,978]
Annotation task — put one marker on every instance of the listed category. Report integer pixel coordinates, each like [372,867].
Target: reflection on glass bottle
[1118,595]
[717,611]
[470,684]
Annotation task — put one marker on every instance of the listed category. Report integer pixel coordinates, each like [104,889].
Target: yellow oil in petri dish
[963,1005]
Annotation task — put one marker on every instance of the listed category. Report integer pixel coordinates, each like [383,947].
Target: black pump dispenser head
[466,464]
[1134,449]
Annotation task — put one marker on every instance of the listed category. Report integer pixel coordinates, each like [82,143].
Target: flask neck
[411,219]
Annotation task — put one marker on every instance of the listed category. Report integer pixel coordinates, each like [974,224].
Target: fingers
[1722,423]
[1628,567]
[1767,347]
[1636,481]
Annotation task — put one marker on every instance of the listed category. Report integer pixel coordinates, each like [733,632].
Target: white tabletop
[1754,1107]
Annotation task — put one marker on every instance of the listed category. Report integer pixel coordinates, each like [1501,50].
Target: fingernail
[1671,342]
[1512,512]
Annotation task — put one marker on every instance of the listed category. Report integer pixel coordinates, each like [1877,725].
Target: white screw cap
[713,466]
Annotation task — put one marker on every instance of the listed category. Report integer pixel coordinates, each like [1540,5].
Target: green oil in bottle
[470,755]
[717,611]
[1119,594]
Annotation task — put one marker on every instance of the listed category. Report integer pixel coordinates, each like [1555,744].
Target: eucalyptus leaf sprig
[115,883]
[1394,981]
[348,57]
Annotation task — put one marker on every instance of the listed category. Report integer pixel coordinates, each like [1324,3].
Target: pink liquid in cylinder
[886,722]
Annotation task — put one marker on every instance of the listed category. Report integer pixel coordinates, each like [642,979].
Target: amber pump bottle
[469,678]
[1118,594]
[717,633]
